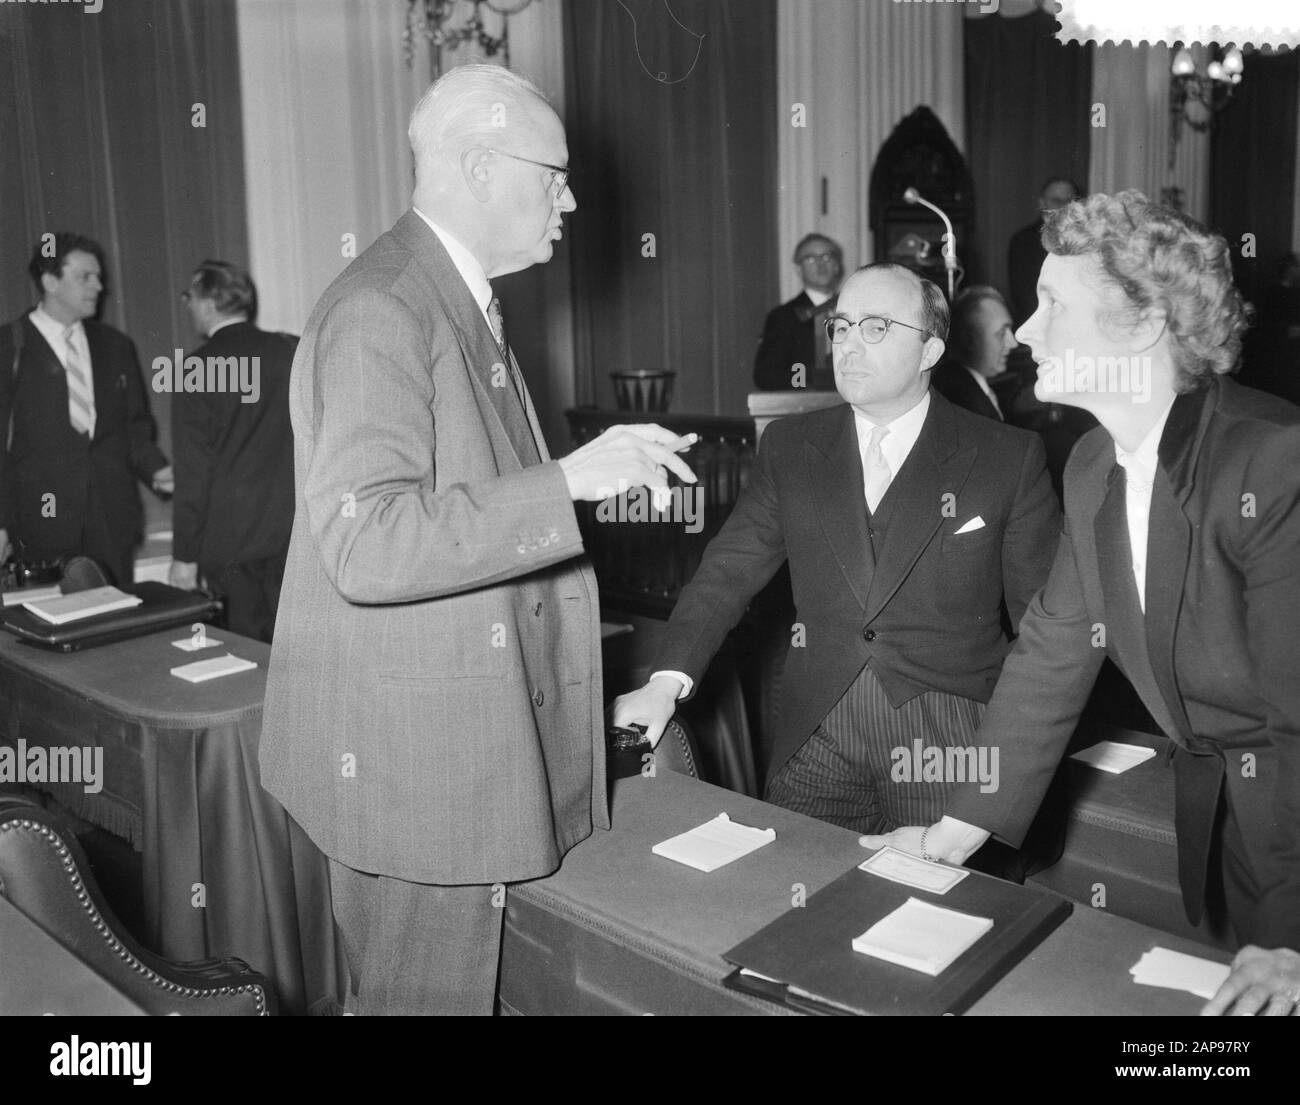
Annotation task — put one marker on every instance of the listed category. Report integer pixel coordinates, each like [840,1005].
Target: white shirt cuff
[686,681]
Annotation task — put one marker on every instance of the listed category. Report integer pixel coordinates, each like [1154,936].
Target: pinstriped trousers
[845,772]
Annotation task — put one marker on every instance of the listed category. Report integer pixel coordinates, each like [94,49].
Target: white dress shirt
[1140,473]
[58,335]
[466,264]
[988,391]
[818,298]
[227,322]
[897,444]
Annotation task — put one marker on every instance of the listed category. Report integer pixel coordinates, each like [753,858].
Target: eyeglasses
[872,328]
[559,181]
[817,257]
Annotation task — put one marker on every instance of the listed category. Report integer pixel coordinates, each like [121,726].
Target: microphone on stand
[949,243]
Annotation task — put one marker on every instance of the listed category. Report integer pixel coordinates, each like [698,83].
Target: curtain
[1028,117]
[1253,167]
[674,237]
[97,134]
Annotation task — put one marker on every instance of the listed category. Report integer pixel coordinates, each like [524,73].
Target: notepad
[31,594]
[924,937]
[81,604]
[890,863]
[1113,756]
[202,670]
[714,844]
[1176,971]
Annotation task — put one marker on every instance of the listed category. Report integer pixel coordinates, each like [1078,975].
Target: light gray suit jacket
[433,706]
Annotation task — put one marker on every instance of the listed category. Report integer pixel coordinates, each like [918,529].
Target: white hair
[467,106]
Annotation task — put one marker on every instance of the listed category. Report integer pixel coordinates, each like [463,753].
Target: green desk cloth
[226,871]
[620,930]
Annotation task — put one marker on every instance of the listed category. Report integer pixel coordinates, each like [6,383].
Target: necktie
[875,469]
[81,395]
[498,323]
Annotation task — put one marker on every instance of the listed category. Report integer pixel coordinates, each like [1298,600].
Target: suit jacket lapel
[530,412]
[1169,548]
[938,464]
[506,422]
[835,477]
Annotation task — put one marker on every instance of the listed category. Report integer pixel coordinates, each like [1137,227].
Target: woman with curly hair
[1179,559]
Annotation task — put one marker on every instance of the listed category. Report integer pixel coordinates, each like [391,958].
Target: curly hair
[1159,258]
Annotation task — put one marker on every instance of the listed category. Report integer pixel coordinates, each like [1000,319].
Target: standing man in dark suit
[789,335]
[434,714]
[979,339]
[1180,560]
[908,523]
[234,455]
[79,431]
[1025,252]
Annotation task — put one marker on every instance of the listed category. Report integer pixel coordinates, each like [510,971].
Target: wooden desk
[619,930]
[226,872]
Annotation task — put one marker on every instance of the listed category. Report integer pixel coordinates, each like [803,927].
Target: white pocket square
[970,527]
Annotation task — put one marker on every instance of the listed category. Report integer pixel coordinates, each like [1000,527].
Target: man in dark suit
[908,523]
[1025,251]
[979,339]
[234,454]
[74,408]
[789,333]
[1180,561]
[434,714]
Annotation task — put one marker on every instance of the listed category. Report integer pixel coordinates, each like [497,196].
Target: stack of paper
[922,936]
[81,604]
[890,863]
[31,594]
[1176,971]
[714,844]
[202,670]
[1114,757]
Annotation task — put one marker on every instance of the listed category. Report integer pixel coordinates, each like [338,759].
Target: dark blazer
[1214,657]
[789,339]
[924,607]
[954,382]
[93,482]
[433,703]
[234,460]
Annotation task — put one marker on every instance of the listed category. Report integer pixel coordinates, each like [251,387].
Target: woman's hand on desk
[949,840]
[1263,981]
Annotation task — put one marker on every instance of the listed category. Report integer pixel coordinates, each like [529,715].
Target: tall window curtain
[1028,117]
[674,238]
[1253,167]
[97,116]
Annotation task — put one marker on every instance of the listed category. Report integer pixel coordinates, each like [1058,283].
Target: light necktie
[81,394]
[875,468]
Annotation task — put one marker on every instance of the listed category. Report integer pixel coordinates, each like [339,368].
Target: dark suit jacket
[1025,256]
[789,339]
[93,482]
[234,460]
[954,382]
[1214,657]
[433,704]
[924,607]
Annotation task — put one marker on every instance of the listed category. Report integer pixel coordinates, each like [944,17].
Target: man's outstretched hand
[624,457]
[949,840]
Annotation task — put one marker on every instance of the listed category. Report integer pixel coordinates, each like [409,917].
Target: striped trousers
[857,770]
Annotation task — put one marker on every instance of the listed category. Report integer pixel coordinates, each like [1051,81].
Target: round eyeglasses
[873,328]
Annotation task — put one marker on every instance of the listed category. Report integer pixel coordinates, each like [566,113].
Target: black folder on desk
[808,959]
[161,606]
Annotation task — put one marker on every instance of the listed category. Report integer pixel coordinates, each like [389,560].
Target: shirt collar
[1140,465]
[903,430]
[227,322]
[818,298]
[466,264]
[51,329]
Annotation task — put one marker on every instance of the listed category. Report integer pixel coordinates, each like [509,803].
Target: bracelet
[924,854]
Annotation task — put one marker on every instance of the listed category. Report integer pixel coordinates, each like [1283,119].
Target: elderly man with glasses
[788,351]
[914,530]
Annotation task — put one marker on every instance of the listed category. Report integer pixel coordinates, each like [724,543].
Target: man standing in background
[789,334]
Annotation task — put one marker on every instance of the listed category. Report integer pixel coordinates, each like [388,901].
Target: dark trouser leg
[251,593]
[821,781]
[416,949]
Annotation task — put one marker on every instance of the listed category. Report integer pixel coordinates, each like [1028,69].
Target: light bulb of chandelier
[1183,65]
[1233,62]
[1215,71]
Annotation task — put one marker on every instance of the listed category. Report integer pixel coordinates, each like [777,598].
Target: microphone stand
[949,240]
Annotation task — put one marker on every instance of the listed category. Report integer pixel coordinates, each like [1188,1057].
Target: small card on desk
[202,670]
[890,863]
[1113,756]
[922,936]
[1177,971]
[714,844]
